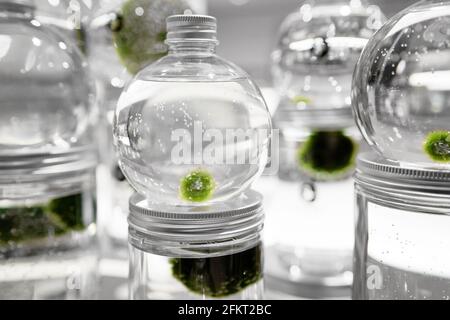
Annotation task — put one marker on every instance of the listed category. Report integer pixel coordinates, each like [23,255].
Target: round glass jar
[197,253]
[317,50]
[47,161]
[192,129]
[47,232]
[401,93]
[46,93]
[402,236]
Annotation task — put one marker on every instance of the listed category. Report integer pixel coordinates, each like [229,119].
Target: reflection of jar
[402,232]
[197,253]
[47,235]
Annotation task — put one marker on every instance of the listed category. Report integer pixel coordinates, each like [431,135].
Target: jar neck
[192,47]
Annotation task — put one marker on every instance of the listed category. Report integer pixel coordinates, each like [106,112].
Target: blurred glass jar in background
[69,16]
[116,55]
[318,48]
[47,161]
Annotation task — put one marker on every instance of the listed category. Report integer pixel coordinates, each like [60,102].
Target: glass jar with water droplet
[318,48]
[192,128]
[401,89]
[47,161]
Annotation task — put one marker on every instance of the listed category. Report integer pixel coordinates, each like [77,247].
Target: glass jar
[46,93]
[198,253]
[402,231]
[47,234]
[317,161]
[318,48]
[47,161]
[192,128]
[401,93]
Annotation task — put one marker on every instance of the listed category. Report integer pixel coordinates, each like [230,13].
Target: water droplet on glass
[308,191]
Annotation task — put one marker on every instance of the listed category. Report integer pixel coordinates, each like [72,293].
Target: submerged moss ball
[220,277]
[139,31]
[328,154]
[437,146]
[55,218]
[198,186]
[301,99]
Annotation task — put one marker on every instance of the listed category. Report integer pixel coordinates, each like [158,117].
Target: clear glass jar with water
[192,128]
[401,90]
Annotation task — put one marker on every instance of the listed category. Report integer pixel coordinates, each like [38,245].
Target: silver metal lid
[417,189]
[191,27]
[235,218]
[373,165]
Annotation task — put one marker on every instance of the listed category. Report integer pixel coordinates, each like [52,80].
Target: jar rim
[233,219]
[373,165]
[35,166]
[388,183]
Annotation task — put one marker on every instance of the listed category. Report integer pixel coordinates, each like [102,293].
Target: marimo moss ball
[220,277]
[55,218]
[197,186]
[139,31]
[437,146]
[328,155]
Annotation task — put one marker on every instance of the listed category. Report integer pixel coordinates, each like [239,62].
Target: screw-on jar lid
[236,218]
[191,27]
[418,189]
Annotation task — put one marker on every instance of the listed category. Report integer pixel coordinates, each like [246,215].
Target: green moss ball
[437,146]
[139,31]
[220,277]
[197,186]
[328,154]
